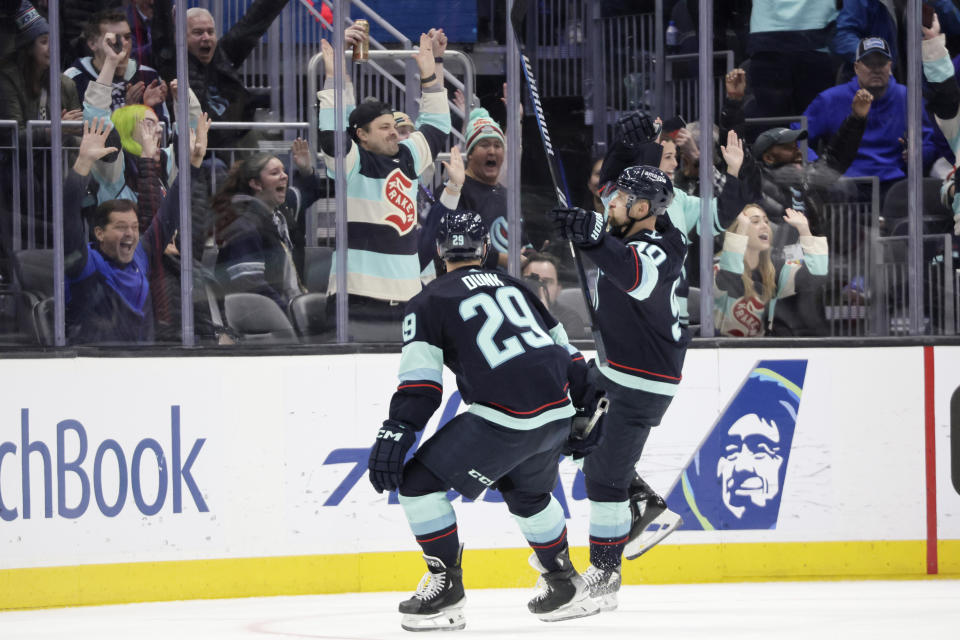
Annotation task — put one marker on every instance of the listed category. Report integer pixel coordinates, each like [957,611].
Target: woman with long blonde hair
[747,282]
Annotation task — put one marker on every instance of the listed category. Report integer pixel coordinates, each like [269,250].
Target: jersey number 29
[508,304]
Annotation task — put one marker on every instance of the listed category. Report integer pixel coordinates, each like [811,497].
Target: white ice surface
[911,610]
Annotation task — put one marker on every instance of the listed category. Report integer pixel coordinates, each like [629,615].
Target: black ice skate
[563,593]
[604,585]
[652,521]
[438,603]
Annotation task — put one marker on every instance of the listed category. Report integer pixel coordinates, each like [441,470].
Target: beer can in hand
[361,51]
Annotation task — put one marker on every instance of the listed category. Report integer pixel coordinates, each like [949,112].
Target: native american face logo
[395,190]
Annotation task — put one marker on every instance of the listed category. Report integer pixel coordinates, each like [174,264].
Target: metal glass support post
[877,313]
[30,177]
[340,178]
[513,152]
[273,64]
[596,78]
[914,169]
[705,82]
[217,11]
[56,179]
[659,52]
[289,111]
[183,194]
[948,299]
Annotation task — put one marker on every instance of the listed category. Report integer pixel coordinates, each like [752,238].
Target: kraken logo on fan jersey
[735,480]
[749,313]
[395,191]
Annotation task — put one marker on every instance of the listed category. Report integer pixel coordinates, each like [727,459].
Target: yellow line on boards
[948,557]
[483,568]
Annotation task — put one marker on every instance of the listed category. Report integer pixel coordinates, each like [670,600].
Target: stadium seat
[308,313]
[209,257]
[43,321]
[693,305]
[936,217]
[16,318]
[34,270]
[258,319]
[316,265]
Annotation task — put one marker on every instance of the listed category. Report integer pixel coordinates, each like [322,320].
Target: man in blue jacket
[881,149]
[108,281]
[885,19]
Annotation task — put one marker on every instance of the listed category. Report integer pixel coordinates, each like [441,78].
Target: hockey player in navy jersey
[640,259]
[522,382]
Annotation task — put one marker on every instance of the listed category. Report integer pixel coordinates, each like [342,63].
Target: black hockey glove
[586,433]
[583,228]
[386,457]
[635,128]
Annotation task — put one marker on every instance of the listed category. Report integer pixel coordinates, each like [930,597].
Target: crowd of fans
[841,67]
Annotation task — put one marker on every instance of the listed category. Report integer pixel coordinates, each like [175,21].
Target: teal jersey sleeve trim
[636,382]
[521,424]
[559,335]
[816,263]
[731,261]
[421,361]
[435,111]
[684,212]
[938,70]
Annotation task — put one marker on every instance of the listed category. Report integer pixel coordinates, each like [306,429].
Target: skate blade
[450,619]
[649,537]
[650,513]
[581,608]
[608,602]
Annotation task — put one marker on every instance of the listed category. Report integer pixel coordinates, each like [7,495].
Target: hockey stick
[556,170]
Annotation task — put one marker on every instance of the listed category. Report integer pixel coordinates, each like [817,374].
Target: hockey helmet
[462,236]
[644,182]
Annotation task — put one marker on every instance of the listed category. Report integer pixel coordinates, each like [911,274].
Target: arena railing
[868,274]
[852,237]
[892,284]
[13,147]
[46,216]
[274,65]
[37,160]
[621,54]
[682,92]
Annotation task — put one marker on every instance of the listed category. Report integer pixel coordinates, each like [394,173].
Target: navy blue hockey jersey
[511,357]
[637,307]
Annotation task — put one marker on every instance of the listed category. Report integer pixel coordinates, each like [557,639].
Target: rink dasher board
[264,491]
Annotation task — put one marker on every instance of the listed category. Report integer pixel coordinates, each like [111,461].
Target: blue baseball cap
[873,44]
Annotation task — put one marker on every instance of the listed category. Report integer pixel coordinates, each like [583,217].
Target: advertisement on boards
[181,459]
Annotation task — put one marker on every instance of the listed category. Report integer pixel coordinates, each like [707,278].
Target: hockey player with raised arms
[522,381]
[640,260]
